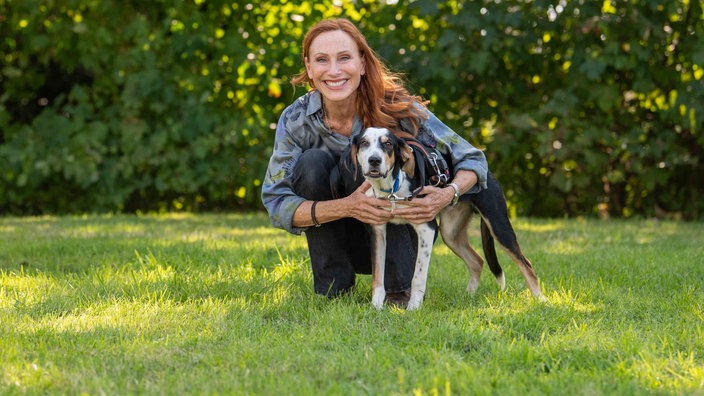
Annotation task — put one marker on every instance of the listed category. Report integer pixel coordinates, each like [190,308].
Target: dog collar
[397,184]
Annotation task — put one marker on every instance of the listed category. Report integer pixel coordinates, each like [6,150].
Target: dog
[388,163]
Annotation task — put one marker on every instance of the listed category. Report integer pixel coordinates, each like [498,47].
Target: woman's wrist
[456,193]
[312,214]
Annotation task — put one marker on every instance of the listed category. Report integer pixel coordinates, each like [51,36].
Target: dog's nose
[374,160]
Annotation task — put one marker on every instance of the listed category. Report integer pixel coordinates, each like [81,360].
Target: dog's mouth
[374,174]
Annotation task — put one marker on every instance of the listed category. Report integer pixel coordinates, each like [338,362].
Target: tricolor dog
[388,163]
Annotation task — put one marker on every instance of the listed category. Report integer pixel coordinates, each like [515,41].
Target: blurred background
[584,108]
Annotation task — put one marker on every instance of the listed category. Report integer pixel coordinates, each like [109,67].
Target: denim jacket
[301,127]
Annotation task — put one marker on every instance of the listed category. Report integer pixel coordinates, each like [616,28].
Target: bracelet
[312,214]
[457,193]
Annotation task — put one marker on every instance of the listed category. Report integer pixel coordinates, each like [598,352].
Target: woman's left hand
[425,209]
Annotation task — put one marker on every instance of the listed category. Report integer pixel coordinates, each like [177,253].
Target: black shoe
[399,299]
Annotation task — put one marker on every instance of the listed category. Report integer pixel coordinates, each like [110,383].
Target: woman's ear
[353,154]
[307,63]
[364,63]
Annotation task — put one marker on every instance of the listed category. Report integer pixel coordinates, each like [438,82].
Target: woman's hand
[366,209]
[423,210]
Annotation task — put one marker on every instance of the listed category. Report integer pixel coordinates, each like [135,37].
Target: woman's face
[334,65]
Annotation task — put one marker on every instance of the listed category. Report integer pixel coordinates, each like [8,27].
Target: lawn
[223,304]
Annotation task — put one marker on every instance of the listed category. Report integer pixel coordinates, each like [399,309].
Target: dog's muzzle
[374,170]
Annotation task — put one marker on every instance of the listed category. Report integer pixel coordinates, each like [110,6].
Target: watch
[457,193]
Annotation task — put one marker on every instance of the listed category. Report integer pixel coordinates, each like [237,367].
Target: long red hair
[382,99]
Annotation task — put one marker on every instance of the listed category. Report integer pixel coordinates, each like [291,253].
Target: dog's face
[379,153]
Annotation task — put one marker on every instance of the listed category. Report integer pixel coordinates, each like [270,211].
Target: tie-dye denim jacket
[301,127]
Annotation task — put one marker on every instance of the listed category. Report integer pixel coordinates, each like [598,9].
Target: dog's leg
[454,223]
[490,254]
[426,236]
[502,231]
[378,265]
[491,204]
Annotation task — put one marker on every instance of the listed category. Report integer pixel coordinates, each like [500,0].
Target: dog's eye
[364,143]
[387,144]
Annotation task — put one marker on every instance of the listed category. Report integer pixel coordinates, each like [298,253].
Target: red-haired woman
[351,89]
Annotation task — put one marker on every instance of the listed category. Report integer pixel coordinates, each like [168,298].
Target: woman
[351,90]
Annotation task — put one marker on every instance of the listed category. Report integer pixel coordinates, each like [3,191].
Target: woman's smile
[335,66]
[335,84]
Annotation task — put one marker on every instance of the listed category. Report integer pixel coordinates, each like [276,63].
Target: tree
[132,106]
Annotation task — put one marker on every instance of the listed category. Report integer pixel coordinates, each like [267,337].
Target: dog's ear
[408,159]
[353,155]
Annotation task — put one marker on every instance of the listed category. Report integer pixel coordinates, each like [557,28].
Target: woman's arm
[357,205]
[469,167]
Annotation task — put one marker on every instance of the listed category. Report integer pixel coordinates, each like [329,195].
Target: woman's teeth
[335,83]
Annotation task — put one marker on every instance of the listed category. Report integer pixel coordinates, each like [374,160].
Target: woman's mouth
[335,84]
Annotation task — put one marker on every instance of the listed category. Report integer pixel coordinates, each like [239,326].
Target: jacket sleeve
[278,196]
[463,155]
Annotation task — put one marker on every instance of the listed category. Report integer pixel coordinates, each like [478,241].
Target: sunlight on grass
[21,289]
[665,372]
[572,246]
[536,227]
[223,304]
[229,233]
[119,315]
[42,376]
[6,229]
[565,298]
[96,230]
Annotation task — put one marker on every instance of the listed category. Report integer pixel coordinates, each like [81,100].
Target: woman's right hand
[368,209]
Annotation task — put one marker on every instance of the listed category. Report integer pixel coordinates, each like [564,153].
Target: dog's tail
[490,254]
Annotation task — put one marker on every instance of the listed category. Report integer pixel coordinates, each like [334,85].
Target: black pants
[340,249]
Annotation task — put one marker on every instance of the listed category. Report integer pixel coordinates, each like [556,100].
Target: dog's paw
[378,297]
[415,301]
[472,285]
[501,281]
[540,297]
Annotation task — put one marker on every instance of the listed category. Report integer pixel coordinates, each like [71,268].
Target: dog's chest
[398,198]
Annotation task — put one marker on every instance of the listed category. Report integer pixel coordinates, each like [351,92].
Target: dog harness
[432,168]
[432,161]
[392,192]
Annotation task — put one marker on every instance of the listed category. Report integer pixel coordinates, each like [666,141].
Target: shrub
[137,106]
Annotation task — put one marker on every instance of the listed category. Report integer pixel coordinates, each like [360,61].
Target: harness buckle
[441,178]
[392,198]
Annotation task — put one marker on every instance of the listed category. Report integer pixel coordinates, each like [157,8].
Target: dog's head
[379,153]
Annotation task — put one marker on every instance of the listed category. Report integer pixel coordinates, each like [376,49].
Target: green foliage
[584,108]
[223,304]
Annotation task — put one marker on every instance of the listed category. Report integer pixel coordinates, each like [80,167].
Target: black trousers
[340,249]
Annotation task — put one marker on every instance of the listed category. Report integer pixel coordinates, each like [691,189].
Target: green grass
[223,304]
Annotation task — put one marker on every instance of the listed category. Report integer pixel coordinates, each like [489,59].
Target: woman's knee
[311,174]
